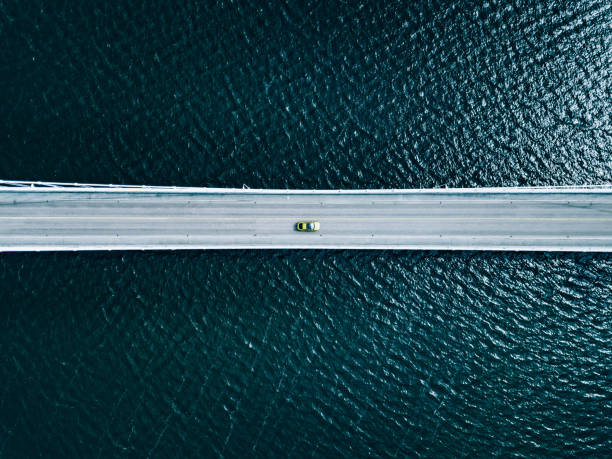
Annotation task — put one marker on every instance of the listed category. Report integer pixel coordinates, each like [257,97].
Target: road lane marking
[329,219]
[311,201]
[376,240]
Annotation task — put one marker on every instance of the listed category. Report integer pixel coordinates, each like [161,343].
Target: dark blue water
[306,353]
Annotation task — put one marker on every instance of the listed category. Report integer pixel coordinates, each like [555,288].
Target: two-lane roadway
[102,218]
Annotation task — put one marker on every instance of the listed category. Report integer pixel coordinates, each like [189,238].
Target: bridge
[45,216]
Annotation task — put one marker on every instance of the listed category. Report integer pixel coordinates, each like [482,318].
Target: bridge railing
[40,185]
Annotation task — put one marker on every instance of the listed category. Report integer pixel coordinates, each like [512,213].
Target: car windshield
[310,226]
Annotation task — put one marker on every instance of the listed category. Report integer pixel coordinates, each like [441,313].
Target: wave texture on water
[343,353]
[298,353]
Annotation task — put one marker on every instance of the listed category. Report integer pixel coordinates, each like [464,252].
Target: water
[335,353]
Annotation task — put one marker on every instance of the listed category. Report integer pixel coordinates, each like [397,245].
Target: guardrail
[91,187]
[38,184]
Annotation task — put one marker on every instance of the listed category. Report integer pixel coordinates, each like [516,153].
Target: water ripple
[299,353]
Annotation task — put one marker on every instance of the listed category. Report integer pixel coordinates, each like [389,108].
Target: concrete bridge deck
[58,217]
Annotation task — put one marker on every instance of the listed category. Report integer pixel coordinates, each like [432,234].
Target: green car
[308,226]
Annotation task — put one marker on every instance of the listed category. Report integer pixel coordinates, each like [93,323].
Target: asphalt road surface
[44,218]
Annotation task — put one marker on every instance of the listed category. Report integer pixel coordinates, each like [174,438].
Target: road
[82,218]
